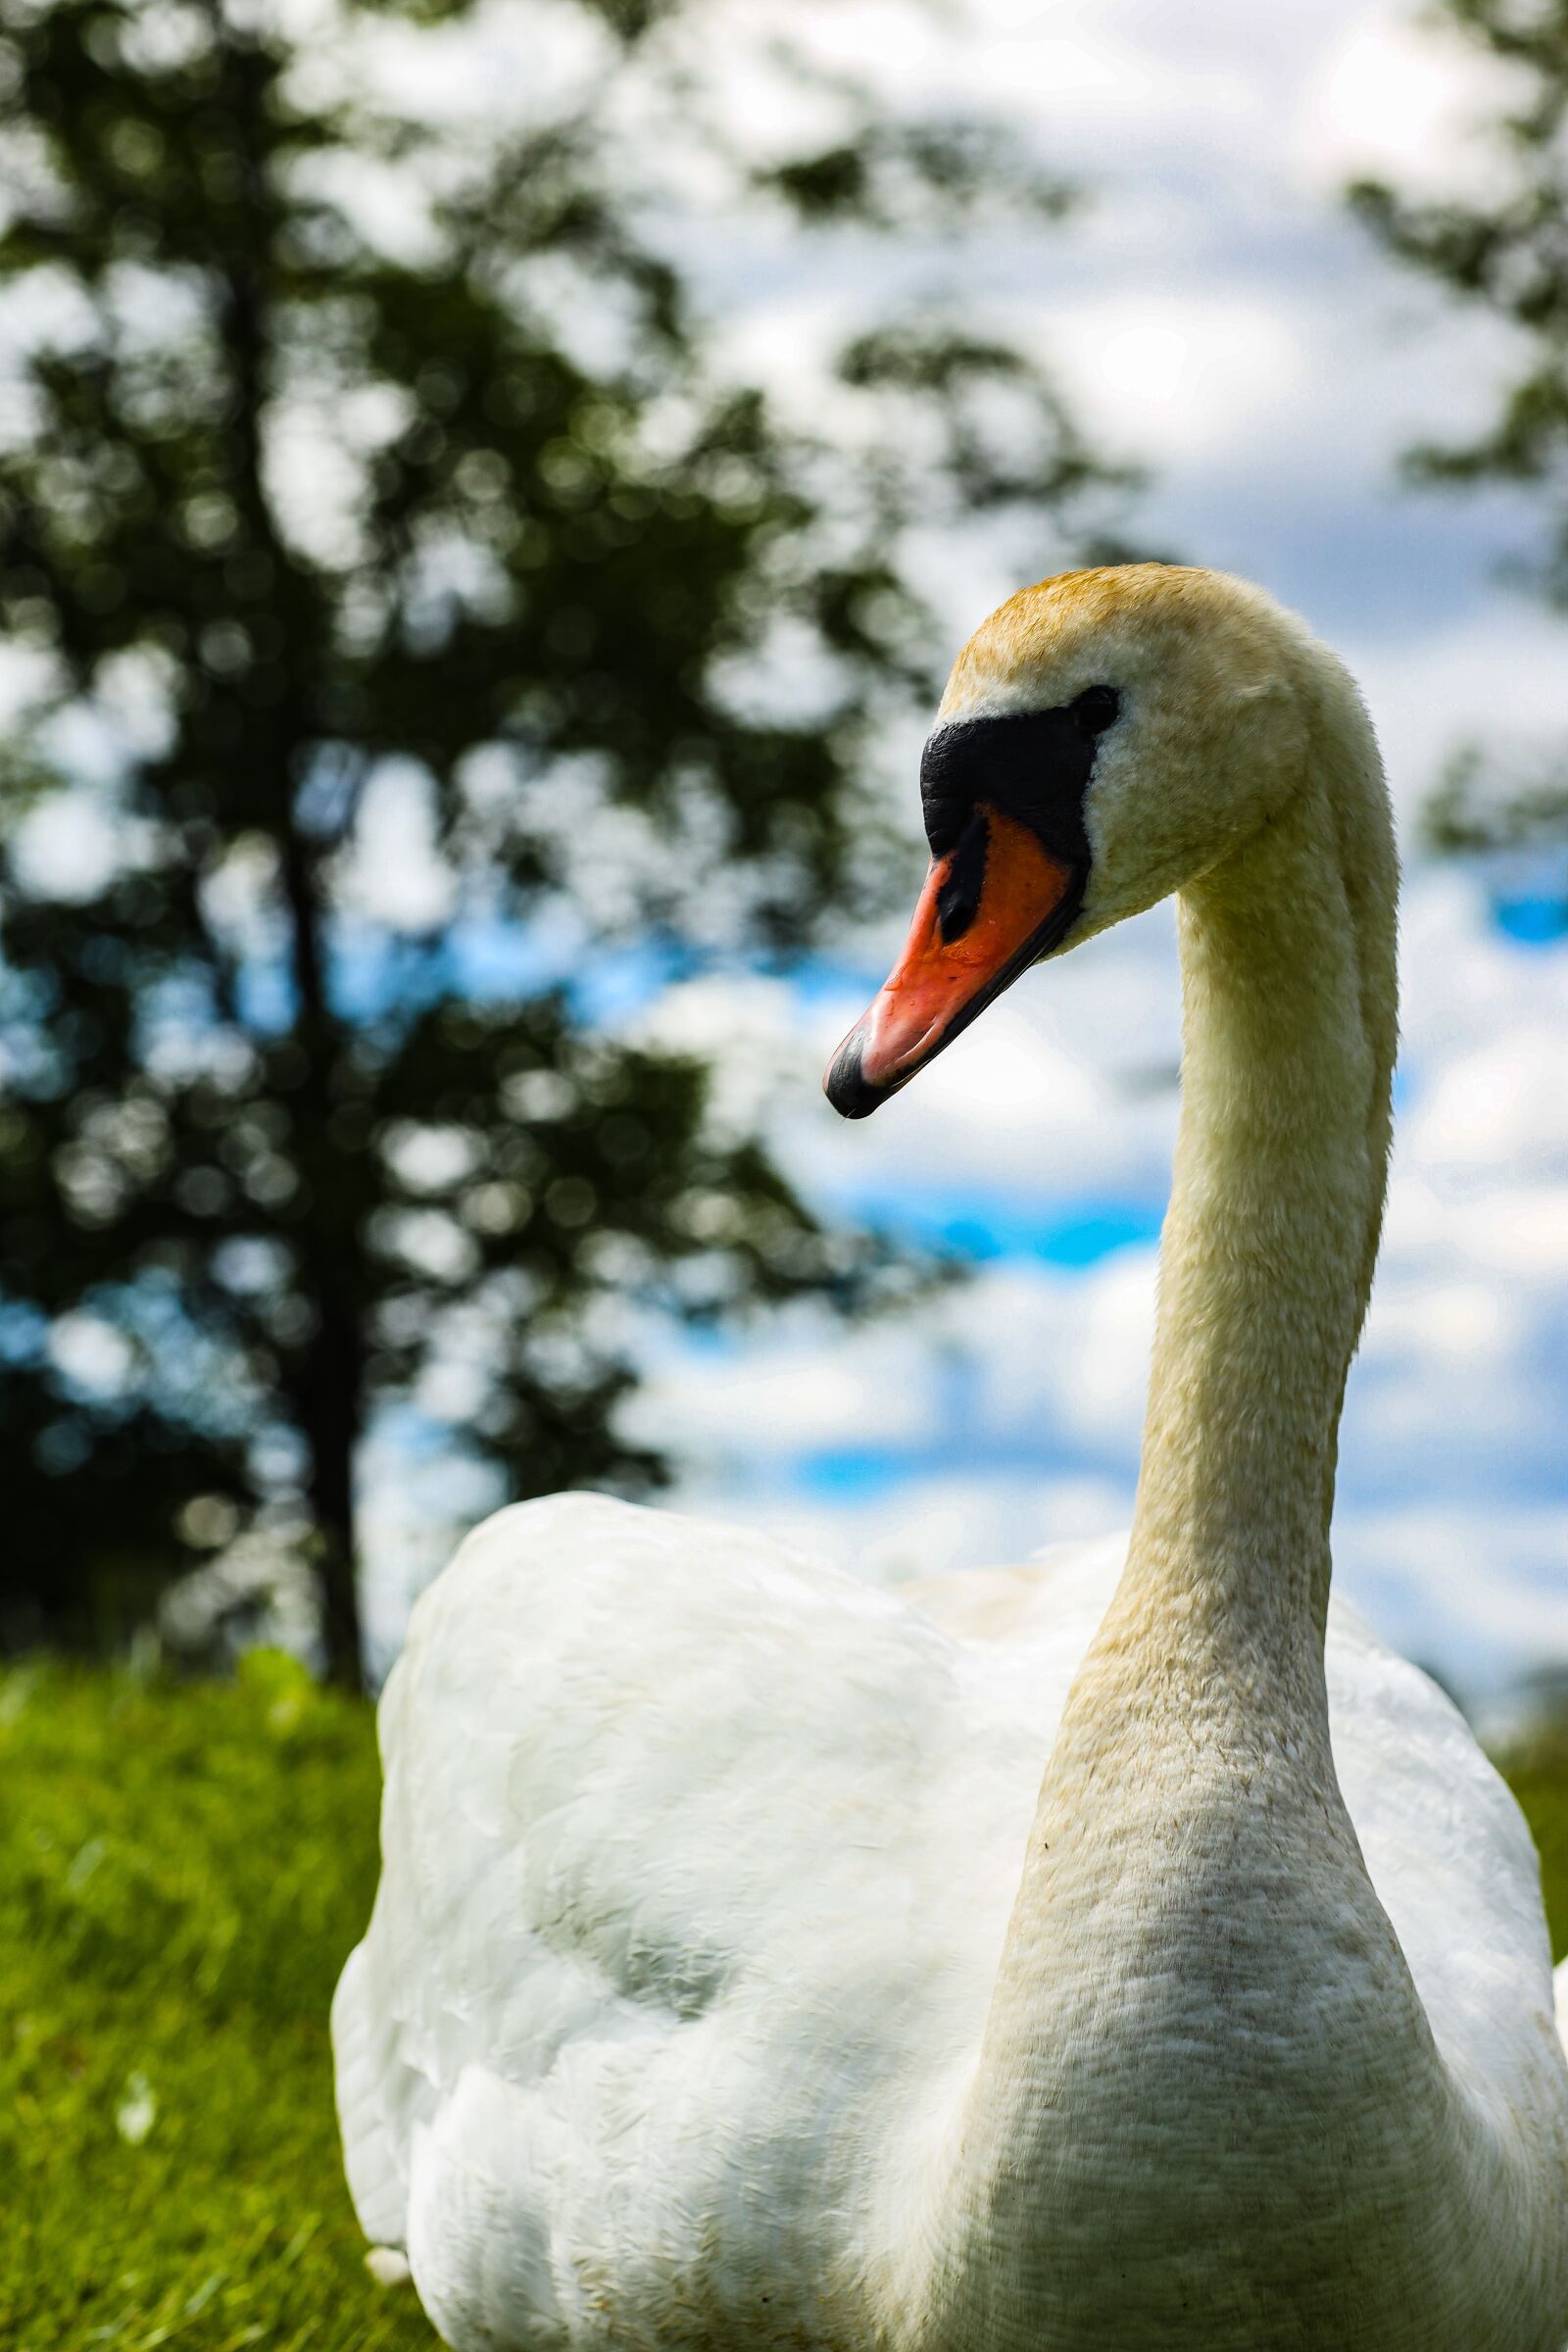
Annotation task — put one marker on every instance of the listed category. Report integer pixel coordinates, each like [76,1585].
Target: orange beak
[989,909]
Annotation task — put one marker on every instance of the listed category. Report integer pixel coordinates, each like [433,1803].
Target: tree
[1507,252]
[367,471]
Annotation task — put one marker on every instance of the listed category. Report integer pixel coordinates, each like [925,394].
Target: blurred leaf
[1507,254]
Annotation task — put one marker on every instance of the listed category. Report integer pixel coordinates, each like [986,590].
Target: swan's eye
[1095,709]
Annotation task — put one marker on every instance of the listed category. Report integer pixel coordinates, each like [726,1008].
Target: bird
[1122,1950]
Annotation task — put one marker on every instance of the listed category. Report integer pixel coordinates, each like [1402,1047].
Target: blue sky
[1213,313]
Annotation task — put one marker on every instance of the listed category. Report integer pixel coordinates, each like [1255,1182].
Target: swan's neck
[1289,994]
[1203,1690]
[1207,2094]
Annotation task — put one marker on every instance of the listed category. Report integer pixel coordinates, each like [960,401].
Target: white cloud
[1504,1105]
[1400,97]
[774,1401]
[1494,675]
[1182,376]
[396,873]
[1479,1592]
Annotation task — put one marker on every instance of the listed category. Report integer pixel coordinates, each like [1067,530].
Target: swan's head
[1105,738]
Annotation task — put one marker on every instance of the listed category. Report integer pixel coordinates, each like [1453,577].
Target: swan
[1122,1951]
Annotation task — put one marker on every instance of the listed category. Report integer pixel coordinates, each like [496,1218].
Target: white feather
[699,1855]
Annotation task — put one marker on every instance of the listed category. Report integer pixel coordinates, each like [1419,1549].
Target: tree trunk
[328,1387]
[325,1385]
[328,1407]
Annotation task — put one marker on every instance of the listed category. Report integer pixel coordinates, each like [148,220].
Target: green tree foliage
[1508,253]
[407,612]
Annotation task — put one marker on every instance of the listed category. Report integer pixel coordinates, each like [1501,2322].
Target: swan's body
[702,1862]
[764,1960]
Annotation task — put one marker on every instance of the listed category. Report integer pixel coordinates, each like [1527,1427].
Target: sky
[1215,314]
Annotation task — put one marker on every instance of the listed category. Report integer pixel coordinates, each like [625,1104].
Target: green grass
[182,1868]
[1538,1773]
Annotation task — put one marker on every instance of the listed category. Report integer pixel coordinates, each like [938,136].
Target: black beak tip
[846,1087]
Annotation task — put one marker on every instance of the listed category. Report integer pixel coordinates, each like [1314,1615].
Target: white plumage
[1086,1957]
[702,1855]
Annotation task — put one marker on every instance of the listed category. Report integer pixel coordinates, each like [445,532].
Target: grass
[1538,1773]
[182,1868]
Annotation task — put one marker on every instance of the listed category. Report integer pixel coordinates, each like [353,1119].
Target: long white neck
[1205,2066]
[1288,968]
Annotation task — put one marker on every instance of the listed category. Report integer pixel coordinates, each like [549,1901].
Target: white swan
[735,1980]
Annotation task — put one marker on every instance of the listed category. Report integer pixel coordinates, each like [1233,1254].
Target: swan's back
[698,1857]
